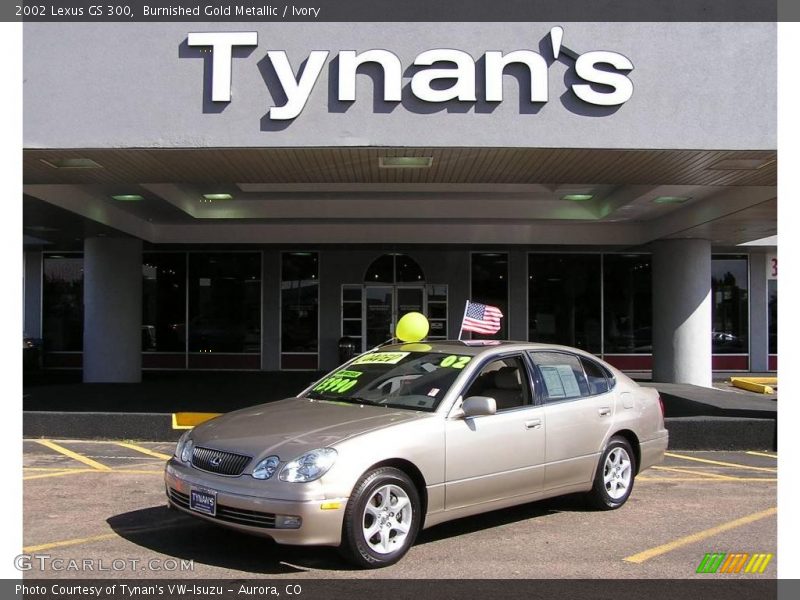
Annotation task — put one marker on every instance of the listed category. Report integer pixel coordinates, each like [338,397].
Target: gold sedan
[411,435]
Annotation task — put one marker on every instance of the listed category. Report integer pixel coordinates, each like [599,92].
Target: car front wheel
[613,481]
[382,518]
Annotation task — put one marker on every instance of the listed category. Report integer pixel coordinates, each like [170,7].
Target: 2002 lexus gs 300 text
[412,435]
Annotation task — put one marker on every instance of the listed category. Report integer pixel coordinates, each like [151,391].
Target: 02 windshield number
[455,362]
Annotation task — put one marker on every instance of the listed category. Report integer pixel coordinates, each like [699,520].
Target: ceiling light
[128,197]
[71,163]
[577,197]
[740,164]
[671,199]
[214,197]
[405,162]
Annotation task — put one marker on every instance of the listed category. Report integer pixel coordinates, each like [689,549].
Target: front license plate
[203,501]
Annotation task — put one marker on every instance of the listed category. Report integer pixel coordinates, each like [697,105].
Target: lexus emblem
[215,461]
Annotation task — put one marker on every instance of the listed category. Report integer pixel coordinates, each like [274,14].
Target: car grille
[217,461]
[240,516]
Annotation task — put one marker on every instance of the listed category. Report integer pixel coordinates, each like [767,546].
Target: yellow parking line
[717,462]
[78,471]
[60,473]
[699,473]
[699,536]
[143,450]
[136,530]
[762,454]
[52,469]
[74,455]
[72,542]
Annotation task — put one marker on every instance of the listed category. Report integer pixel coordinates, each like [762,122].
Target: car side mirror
[476,406]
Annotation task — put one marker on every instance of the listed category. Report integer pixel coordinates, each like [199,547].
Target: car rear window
[595,376]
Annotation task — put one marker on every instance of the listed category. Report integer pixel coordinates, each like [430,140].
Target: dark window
[490,286]
[407,270]
[381,270]
[299,302]
[627,305]
[163,302]
[225,302]
[394,268]
[564,300]
[729,305]
[595,376]
[772,290]
[504,380]
[561,375]
[62,302]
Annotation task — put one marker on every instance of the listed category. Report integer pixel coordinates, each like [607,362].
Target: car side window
[595,376]
[505,380]
[562,376]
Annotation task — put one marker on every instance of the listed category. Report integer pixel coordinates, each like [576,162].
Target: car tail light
[661,406]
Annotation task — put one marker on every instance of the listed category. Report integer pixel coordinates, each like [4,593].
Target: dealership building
[242,196]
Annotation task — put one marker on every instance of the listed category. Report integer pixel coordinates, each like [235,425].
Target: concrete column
[682,311]
[112,317]
[759,326]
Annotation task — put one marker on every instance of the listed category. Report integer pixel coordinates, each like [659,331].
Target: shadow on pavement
[506,516]
[180,536]
[169,532]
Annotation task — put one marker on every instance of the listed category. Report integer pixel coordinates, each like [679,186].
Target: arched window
[394,268]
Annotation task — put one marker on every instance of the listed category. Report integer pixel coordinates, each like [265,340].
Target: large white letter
[586,70]
[464,74]
[221,43]
[496,63]
[297,91]
[392,73]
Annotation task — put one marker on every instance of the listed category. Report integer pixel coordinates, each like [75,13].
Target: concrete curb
[686,433]
[151,427]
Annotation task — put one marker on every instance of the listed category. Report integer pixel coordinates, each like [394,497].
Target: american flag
[481,318]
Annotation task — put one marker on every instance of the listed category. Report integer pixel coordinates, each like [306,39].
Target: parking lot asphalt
[104,501]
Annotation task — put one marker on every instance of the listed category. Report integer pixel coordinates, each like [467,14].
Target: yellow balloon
[412,327]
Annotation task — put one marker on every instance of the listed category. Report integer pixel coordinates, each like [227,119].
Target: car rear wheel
[613,481]
[381,520]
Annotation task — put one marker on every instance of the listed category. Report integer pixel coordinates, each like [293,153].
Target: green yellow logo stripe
[723,562]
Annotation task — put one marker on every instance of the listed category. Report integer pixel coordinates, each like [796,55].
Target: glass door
[379,309]
[409,299]
[384,305]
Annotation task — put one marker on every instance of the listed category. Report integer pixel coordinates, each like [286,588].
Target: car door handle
[604,412]
[533,424]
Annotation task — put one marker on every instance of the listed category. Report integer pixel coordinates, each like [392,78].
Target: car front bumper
[239,508]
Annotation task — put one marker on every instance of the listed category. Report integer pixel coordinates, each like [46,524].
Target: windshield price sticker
[384,358]
[348,374]
[455,362]
[336,385]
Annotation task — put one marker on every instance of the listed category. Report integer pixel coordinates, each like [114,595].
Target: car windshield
[411,380]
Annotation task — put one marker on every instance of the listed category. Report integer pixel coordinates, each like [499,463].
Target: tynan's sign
[601,67]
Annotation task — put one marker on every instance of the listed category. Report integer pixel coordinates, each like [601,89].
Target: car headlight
[266,467]
[310,466]
[187,452]
[181,443]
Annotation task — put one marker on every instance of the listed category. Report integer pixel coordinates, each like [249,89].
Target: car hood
[290,427]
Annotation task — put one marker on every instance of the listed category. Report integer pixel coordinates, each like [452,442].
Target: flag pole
[461,330]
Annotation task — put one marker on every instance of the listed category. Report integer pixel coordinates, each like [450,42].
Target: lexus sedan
[411,435]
